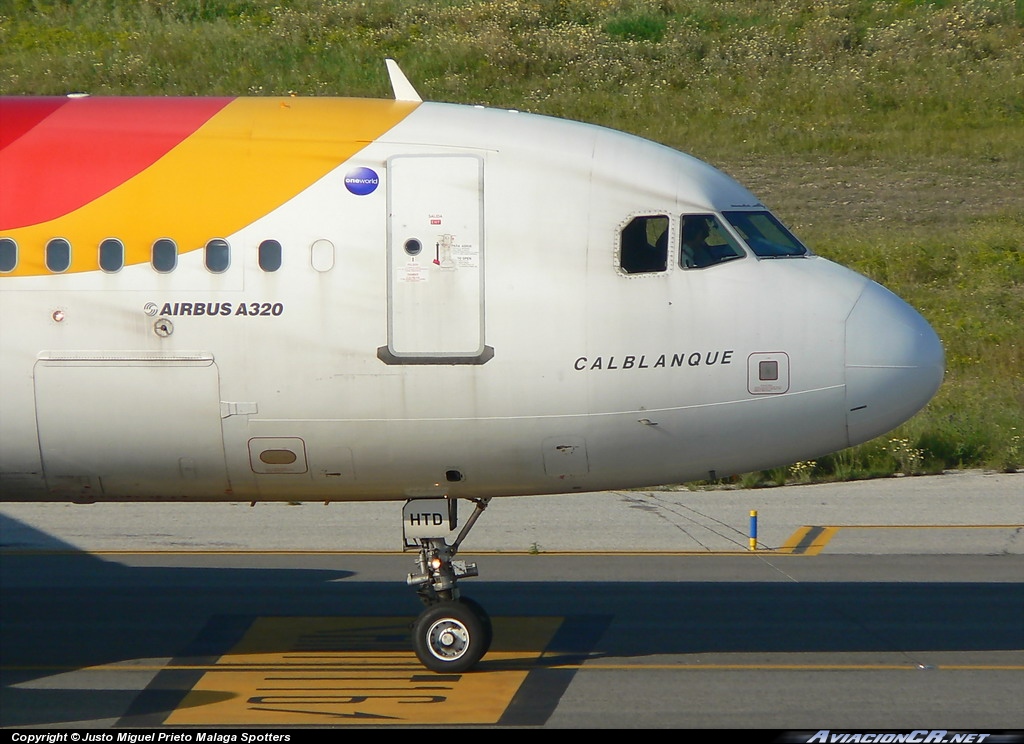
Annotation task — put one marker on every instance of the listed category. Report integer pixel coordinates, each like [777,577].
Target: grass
[888,133]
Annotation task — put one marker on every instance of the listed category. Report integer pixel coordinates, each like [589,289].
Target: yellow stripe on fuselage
[247,160]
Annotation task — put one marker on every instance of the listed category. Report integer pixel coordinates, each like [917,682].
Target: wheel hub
[448,639]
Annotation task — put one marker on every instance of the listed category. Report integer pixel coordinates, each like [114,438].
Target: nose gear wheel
[449,637]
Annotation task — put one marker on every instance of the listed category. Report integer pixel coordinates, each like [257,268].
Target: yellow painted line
[800,667]
[933,526]
[464,553]
[811,540]
[807,540]
[411,664]
[176,552]
[319,670]
[198,551]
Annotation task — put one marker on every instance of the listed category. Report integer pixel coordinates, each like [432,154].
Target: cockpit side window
[643,246]
[766,236]
[706,242]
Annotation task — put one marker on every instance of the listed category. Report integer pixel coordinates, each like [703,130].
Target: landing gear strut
[453,632]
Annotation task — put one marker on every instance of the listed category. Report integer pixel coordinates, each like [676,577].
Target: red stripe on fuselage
[59,154]
[17,119]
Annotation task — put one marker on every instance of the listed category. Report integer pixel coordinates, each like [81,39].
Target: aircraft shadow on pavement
[66,611]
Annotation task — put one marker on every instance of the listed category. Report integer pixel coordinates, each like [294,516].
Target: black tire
[485,621]
[448,637]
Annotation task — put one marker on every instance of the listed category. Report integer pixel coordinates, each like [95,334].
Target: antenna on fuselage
[400,83]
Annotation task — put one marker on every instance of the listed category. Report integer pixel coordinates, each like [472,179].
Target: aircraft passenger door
[435,261]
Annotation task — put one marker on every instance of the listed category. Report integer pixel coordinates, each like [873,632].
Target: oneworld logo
[362,181]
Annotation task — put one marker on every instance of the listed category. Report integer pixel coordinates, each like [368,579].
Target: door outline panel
[435,261]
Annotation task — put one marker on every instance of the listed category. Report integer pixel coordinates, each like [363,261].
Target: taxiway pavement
[892,604]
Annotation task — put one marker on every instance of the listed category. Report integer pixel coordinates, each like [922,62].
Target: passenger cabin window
[165,255]
[765,235]
[643,246]
[218,255]
[58,255]
[706,242]
[270,255]
[8,255]
[111,255]
[322,255]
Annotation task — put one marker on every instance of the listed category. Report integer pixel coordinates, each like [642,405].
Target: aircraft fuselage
[334,299]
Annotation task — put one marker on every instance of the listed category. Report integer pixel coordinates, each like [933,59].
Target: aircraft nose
[894,363]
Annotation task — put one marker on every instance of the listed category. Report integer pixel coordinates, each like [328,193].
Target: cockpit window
[706,242]
[644,245]
[765,235]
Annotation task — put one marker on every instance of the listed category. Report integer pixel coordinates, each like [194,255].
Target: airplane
[327,299]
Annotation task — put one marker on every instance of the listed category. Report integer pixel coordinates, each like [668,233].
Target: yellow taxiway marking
[206,551]
[316,670]
[807,540]
[811,540]
[528,663]
[600,666]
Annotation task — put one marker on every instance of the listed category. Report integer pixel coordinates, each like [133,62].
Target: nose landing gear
[453,632]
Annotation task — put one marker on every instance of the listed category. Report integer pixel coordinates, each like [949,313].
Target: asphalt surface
[892,604]
[671,520]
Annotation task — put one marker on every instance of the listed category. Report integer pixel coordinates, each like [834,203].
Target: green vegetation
[889,133]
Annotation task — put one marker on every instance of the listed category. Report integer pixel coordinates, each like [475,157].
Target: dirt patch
[806,193]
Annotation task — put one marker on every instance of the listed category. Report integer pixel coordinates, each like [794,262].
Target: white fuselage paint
[529,365]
